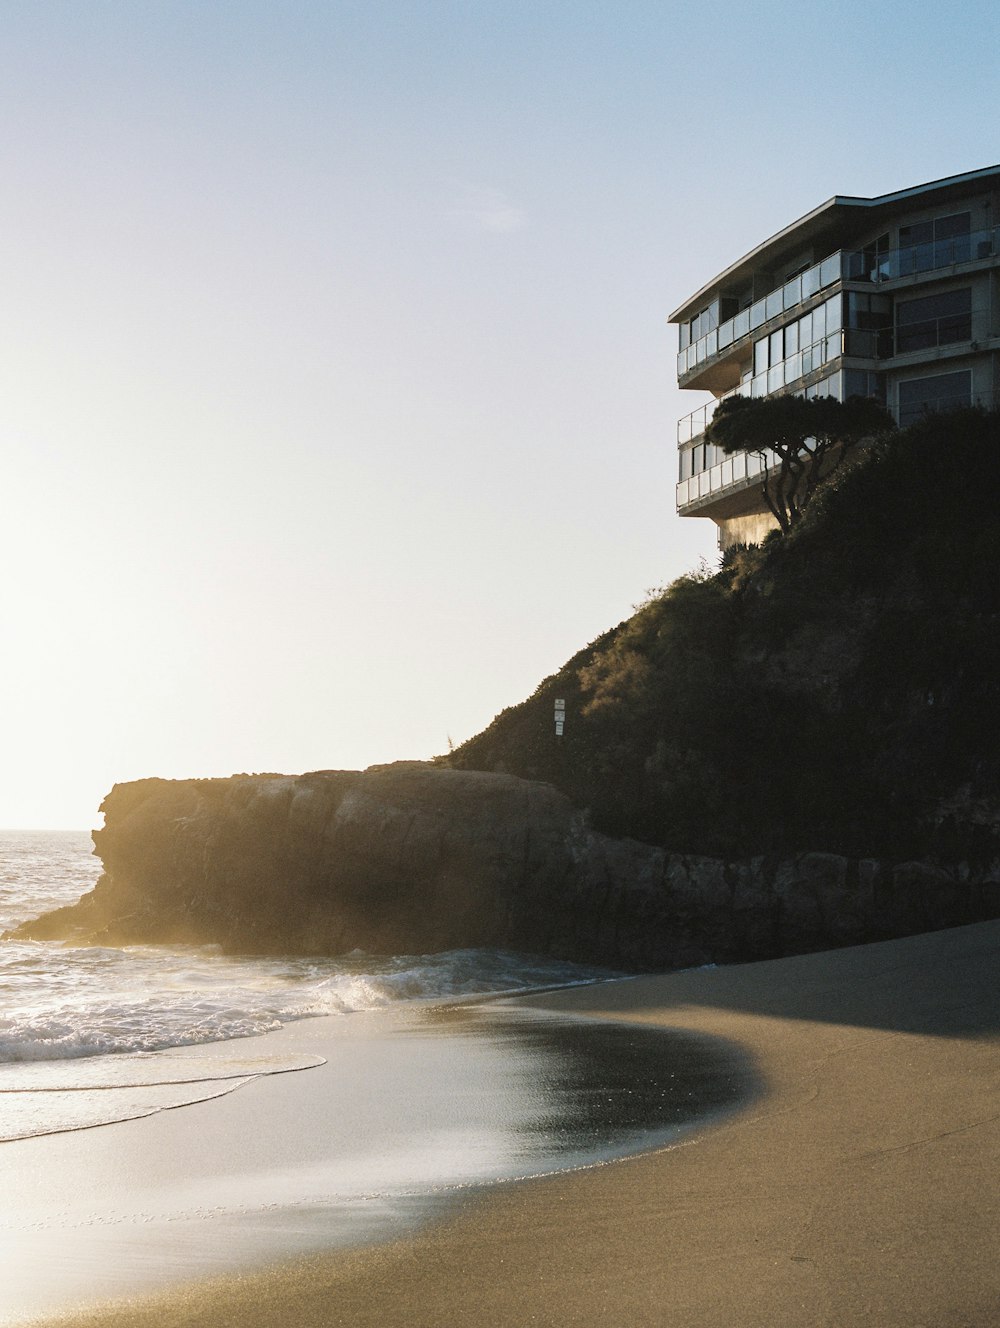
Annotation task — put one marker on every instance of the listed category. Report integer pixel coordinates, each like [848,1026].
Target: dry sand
[860,1188]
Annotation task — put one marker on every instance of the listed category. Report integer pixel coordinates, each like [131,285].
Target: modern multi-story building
[896,297]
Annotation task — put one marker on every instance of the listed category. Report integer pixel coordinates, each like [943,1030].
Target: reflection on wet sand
[406,1110]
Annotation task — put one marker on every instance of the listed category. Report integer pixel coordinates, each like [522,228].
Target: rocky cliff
[416,858]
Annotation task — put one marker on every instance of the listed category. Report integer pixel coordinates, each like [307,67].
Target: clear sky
[337,390]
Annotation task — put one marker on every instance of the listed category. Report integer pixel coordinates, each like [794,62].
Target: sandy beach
[857,1185]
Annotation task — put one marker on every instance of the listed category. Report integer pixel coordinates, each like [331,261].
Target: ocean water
[76,1021]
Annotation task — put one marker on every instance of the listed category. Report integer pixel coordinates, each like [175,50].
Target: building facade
[896,298]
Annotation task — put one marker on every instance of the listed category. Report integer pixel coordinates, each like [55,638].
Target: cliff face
[415,858]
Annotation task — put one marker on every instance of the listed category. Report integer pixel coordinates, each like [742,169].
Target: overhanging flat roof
[846,211]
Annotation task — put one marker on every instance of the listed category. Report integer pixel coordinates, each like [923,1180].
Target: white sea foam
[61,1002]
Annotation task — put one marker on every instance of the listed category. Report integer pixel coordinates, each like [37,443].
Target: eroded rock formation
[413,858]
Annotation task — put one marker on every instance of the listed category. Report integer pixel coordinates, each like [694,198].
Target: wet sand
[327,1133]
[860,1186]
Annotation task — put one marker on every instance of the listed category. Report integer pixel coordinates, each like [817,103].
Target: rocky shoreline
[416,858]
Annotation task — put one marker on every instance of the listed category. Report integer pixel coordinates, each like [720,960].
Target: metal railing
[859,265]
[771,380]
[859,343]
[737,470]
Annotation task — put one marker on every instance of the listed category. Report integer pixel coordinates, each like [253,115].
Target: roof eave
[824,211]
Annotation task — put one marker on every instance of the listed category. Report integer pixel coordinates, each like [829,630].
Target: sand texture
[859,1187]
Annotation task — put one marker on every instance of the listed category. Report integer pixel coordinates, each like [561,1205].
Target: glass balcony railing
[866,265]
[859,343]
[923,334]
[862,265]
[792,293]
[735,470]
[772,380]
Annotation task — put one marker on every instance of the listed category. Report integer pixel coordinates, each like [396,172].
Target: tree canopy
[811,440]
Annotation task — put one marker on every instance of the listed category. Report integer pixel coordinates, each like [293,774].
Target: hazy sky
[337,391]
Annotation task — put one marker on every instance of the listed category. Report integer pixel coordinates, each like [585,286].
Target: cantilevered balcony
[878,345]
[728,342]
[734,473]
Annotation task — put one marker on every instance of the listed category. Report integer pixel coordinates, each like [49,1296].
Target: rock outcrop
[413,858]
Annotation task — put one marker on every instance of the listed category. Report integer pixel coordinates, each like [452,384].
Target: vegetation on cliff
[836,689]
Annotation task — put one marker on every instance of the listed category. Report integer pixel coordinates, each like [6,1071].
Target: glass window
[760,355]
[776,352]
[758,314]
[916,245]
[934,320]
[685,465]
[741,324]
[685,336]
[959,223]
[791,338]
[941,392]
[863,383]
[917,233]
[951,239]
[806,330]
[834,318]
[858,341]
[726,335]
[775,378]
[772,304]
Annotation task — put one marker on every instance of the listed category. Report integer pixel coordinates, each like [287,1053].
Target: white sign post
[560,716]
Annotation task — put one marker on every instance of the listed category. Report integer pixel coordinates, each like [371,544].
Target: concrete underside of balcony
[741,515]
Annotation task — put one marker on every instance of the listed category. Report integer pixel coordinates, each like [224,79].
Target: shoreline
[388,1120]
[859,1187]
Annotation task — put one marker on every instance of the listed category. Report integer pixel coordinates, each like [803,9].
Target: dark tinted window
[921,396]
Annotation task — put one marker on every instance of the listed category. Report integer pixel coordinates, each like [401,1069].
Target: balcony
[733,330]
[861,265]
[736,471]
[857,343]
[773,379]
[733,473]
[925,334]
